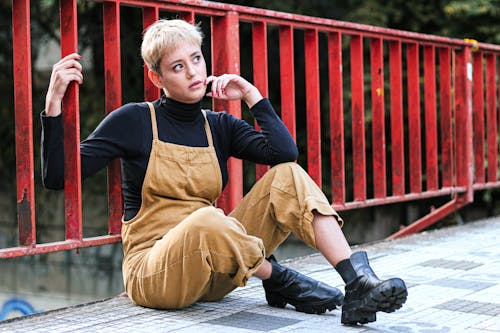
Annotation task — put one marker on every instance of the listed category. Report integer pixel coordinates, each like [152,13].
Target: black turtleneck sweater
[126,134]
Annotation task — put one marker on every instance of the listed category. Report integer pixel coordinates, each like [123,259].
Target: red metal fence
[440,95]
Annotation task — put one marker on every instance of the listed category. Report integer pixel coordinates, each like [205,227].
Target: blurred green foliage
[477,19]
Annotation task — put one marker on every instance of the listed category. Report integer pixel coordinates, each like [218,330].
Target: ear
[155,78]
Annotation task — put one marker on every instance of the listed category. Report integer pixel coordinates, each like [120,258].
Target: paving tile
[465,321]
[411,326]
[485,273]
[462,284]
[461,305]
[486,295]
[253,321]
[489,325]
[474,330]
[451,264]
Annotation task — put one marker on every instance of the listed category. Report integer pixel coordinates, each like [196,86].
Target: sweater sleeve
[114,137]
[272,145]
[52,152]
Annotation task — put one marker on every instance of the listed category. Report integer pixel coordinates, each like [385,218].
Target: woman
[179,248]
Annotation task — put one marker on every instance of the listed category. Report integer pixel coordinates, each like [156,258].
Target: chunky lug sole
[389,296]
[278,301]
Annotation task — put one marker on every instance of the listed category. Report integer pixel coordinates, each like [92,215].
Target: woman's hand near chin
[233,87]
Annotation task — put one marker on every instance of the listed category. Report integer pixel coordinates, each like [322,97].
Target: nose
[190,70]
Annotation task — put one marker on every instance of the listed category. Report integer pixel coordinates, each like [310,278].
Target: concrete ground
[453,276]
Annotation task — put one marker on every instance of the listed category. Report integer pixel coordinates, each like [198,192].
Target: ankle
[346,271]
[265,270]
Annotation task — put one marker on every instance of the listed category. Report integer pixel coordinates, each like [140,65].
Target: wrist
[52,108]
[252,97]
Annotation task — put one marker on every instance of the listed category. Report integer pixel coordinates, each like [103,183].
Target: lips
[196,84]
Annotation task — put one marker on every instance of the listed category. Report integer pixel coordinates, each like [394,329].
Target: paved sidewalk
[453,276]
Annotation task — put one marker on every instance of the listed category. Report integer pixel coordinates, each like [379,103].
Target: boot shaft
[361,265]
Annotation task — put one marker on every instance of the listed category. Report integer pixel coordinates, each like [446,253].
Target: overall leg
[285,200]
[181,267]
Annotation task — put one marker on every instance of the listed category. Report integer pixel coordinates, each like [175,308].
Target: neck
[181,111]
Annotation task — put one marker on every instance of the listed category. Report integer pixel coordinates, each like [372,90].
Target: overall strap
[207,129]
[153,121]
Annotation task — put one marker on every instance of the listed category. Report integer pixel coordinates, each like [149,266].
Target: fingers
[71,60]
[227,86]
[233,87]
[219,84]
[68,62]
[71,56]
[65,71]
[68,69]
[64,76]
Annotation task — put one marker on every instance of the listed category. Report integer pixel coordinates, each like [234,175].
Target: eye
[197,59]
[178,67]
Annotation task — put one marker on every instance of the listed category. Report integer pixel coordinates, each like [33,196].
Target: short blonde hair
[164,36]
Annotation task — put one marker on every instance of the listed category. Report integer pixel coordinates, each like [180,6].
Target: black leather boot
[306,294]
[367,294]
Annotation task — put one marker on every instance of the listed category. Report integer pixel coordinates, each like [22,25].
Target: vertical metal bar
[259,53]
[491,116]
[71,121]
[259,57]
[287,78]
[497,126]
[430,118]
[149,16]
[469,146]
[113,96]
[226,59]
[463,120]
[336,116]
[378,115]
[313,118]
[459,80]
[358,118]
[187,16]
[397,127]
[447,163]
[498,118]
[478,118]
[24,122]
[414,139]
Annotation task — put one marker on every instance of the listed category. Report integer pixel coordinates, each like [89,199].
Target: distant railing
[454,153]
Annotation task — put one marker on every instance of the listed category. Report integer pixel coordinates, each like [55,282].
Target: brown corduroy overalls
[180,249]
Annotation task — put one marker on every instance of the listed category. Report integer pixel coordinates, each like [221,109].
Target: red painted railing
[431,151]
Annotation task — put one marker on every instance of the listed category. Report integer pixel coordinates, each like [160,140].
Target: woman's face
[183,74]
